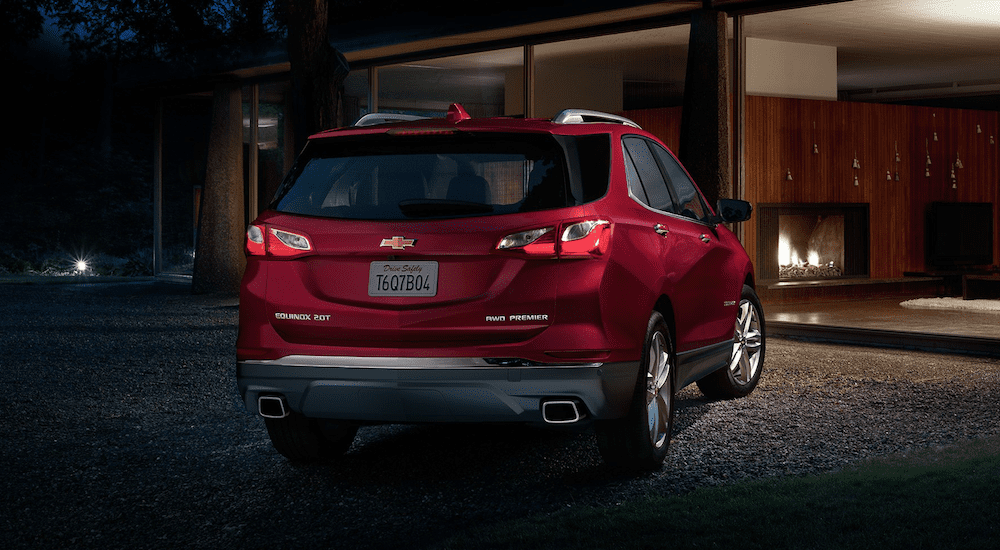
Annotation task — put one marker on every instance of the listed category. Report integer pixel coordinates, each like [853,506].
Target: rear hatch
[410,241]
[449,286]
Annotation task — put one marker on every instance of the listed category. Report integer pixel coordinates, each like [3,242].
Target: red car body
[507,324]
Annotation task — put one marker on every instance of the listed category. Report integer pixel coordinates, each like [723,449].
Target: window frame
[668,182]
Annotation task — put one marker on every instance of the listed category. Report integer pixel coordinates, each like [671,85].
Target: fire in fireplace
[810,247]
[812,241]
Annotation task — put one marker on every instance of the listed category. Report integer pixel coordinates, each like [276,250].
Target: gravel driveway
[122,427]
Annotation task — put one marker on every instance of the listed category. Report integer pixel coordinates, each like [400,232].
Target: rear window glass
[452,175]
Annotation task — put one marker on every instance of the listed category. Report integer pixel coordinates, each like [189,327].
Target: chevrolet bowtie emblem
[398,243]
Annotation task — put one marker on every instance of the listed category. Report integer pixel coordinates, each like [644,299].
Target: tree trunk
[317,70]
[219,259]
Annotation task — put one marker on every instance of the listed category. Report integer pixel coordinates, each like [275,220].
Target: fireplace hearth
[811,242]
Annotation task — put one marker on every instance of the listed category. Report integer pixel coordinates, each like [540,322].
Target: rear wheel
[747,360]
[304,439]
[641,439]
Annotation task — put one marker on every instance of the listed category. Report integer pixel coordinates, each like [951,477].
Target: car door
[691,257]
[715,268]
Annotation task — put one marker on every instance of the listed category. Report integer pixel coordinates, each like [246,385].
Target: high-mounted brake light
[420,131]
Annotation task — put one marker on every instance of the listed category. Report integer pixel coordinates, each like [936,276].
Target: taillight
[264,241]
[255,241]
[286,243]
[583,239]
[534,242]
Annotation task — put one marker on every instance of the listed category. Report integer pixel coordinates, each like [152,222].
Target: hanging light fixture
[927,169]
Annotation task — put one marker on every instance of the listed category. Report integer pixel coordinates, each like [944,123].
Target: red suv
[560,271]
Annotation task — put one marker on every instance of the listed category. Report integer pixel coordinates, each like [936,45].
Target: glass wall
[356,96]
[481,82]
[265,125]
[612,73]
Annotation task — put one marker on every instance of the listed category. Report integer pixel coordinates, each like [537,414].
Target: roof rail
[372,119]
[581,116]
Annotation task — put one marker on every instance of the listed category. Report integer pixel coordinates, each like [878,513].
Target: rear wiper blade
[429,208]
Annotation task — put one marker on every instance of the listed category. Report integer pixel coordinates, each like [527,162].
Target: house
[868,127]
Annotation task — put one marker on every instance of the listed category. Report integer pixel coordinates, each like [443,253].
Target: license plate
[402,279]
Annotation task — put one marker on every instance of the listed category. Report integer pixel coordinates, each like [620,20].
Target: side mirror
[733,210]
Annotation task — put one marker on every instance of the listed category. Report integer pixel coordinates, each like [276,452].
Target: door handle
[705,238]
[661,229]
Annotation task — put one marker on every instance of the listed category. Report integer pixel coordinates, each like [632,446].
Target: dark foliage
[76,156]
[79,204]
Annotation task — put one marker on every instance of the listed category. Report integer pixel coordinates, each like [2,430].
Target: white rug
[953,303]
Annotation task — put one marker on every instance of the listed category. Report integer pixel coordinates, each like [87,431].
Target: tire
[745,365]
[640,440]
[302,439]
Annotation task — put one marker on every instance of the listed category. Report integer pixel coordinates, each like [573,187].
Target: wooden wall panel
[817,141]
[663,123]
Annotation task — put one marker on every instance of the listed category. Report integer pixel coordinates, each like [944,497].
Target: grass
[943,498]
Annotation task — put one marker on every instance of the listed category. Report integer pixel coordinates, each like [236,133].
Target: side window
[689,201]
[632,177]
[649,174]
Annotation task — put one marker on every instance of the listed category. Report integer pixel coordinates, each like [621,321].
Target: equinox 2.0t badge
[398,243]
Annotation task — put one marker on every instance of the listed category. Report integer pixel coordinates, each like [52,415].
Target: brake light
[585,239]
[285,243]
[534,242]
[255,241]
[264,241]
[420,131]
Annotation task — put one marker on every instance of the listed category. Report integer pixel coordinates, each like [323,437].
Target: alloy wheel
[659,391]
[747,344]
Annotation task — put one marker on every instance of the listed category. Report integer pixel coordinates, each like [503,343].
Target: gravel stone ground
[122,427]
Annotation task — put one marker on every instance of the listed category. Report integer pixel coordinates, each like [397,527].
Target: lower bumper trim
[380,389]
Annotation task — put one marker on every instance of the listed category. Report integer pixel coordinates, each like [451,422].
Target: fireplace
[809,242]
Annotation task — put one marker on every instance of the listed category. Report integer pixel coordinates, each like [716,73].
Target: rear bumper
[382,389]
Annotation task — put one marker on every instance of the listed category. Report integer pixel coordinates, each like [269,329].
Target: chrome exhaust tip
[563,411]
[272,406]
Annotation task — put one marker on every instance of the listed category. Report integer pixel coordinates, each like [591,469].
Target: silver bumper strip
[400,362]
